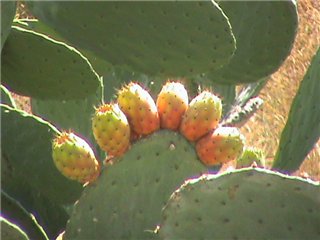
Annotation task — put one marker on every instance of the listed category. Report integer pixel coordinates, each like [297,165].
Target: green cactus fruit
[74,158]
[249,203]
[202,116]
[140,109]
[111,129]
[172,102]
[220,146]
[251,156]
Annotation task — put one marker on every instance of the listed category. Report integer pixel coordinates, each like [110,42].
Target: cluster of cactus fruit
[135,115]
[145,163]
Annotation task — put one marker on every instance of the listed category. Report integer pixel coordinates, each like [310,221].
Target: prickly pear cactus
[8,10]
[6,97]
[11,231]
[158,43]
[53,75]
[15,212]
[28,173]
[265,31]
[127,199]
[245,204]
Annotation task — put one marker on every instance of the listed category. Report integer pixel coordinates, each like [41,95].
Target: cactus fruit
[140,109]
[111,129]
[172,102]
[251,156]
[202,116]
[220,146]
[74,158]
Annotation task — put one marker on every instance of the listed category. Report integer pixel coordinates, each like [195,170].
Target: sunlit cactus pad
[245,204]
[127,199]
[265,32]
[168,38]
[38,66]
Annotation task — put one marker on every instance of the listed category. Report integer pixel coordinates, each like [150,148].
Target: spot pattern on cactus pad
[156,38]
[245,204]
[129,195]
[37,66]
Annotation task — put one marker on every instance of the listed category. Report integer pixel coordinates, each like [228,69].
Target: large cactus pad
[127,199]
[245,204]
[172,38]
[265,31]
[38,66]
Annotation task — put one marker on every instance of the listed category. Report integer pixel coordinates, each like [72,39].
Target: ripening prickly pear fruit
[74,158]
[140,109]
[222,145]
[251,156]
[172,102]
[202,116]
[111,129]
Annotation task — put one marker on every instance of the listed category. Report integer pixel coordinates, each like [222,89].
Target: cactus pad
[265,31]
[14,212]
[37,66]
[127,199]
[177,38]
[8,10]
[11,231]
[244,204]
[6,97]
[26,146]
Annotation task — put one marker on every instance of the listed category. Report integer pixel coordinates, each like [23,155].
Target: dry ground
[264,129]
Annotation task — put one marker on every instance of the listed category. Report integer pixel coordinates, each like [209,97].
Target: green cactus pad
[11,231]
[51,217]
[8,10]
[37,66]
[26,143]
[113,77]
[265,31]
[244,204]
[28,173]
[6,97]
[126,200]
[302,129]
[14,212]
[178,38]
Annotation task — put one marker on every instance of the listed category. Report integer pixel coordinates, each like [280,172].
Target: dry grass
[264,129]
